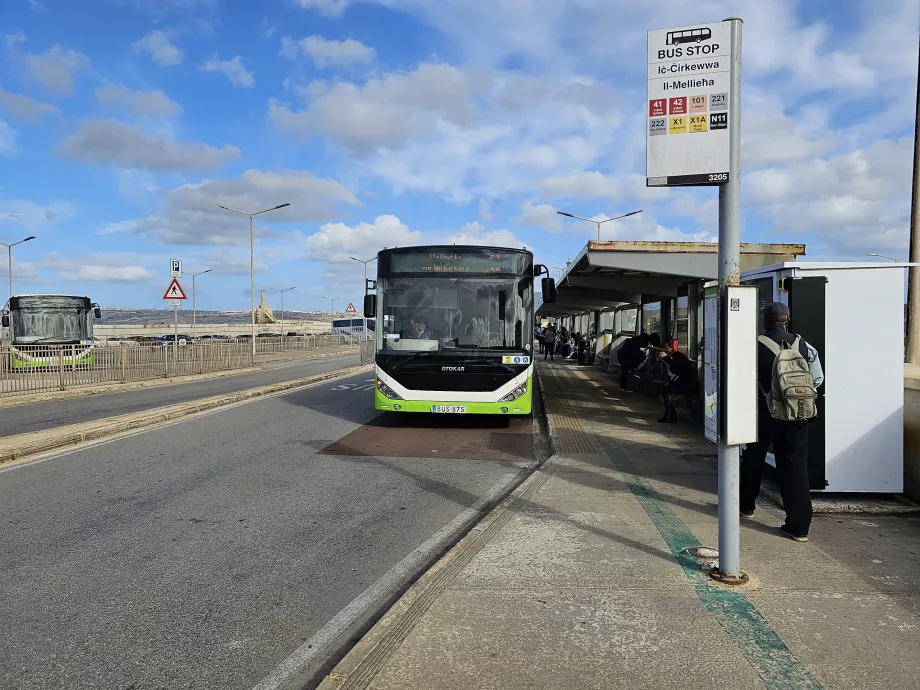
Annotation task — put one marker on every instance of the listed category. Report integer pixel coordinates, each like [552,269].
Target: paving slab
[582,578]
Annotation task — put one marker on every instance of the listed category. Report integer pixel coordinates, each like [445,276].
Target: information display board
[689,81]
[459,260]
[711,361]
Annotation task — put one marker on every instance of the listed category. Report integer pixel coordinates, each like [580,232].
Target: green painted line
[765,651]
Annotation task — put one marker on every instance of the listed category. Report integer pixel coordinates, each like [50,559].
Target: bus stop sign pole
[729,569]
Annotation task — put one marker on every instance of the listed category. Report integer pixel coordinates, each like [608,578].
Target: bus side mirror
[6,320]
[97,312]
[548,286]
[370,306]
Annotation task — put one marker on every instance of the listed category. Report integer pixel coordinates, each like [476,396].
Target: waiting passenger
[682,377]
[630,355]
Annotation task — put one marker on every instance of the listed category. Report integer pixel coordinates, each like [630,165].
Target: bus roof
[452,248]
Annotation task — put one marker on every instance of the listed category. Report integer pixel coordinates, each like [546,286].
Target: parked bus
[456,329]
[351,326]
[38,324]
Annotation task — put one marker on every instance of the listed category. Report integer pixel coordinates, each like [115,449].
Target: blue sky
[391,122]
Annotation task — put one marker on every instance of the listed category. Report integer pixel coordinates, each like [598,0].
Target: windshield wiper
[53,337]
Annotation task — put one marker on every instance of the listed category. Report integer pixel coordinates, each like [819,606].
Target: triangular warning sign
[350,309]
[174,291]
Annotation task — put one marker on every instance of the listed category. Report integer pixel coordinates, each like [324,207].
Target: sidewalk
[580,579]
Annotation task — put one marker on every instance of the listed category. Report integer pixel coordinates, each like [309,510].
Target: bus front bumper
[522,405]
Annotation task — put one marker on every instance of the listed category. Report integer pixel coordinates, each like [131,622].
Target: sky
[123,123]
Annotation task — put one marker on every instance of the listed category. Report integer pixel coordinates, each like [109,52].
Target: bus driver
[420,329]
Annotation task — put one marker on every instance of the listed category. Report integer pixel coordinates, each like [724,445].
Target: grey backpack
[792,395]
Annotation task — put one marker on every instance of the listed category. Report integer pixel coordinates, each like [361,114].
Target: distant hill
[117,316]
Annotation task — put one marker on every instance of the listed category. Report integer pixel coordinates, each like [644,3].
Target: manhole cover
[704,553]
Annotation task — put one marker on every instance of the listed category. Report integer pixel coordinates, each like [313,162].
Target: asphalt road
[22,419]
[203,553]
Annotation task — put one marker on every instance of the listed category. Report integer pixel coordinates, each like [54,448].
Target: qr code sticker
[735,304]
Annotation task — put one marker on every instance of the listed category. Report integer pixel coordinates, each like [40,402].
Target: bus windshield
[50,319]
[470,313]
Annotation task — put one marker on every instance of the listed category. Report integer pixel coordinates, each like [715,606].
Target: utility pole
[252,267]
[282,291]
[361,261]
[913,283]
[9,253]
[194,305]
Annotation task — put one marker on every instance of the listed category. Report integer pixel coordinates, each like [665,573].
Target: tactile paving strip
[565,431]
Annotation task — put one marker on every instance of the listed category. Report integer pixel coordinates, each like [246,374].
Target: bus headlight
[387,391]
[516,393]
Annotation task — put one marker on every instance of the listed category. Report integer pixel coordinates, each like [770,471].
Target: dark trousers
[790,448]
[549,350]
[542,344]
[627,366]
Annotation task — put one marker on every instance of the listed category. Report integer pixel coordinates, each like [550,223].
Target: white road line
[318,648]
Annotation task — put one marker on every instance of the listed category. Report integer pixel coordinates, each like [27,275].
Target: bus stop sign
[689,85]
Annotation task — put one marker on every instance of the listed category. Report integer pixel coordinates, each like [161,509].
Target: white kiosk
[853,313]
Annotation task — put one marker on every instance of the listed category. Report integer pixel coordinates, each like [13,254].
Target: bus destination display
[445,262]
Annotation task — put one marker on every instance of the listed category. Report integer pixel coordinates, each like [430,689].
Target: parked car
[268,335]
[171,339]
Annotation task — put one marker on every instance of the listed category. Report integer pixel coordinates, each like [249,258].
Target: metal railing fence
[44,368]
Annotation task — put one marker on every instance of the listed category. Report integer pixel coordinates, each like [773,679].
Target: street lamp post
[332,311]
[361,261]
[194,305]
[252,266]
[598,223]
[282,291]
[9,253]
[890,258]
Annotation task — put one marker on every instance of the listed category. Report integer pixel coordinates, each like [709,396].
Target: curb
[357,669]
[44,441]
[104,389]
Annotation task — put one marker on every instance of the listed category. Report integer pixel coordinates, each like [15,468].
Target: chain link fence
[43,368]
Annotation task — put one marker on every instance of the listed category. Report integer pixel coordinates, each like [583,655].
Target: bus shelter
[614,290]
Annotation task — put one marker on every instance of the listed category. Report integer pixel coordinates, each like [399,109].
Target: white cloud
[114,274]
[7,140]
[382,112]
[855,202]
[336,242]
[25,108]
[23,213]
[330,53]
[103,267]
[190,213]
[485,210]
[104,142]
[587,184]
[475,234]
[327,8]
[56,69]
[289,48]
[541,215]
[151,103]
[160,48]
[233,69]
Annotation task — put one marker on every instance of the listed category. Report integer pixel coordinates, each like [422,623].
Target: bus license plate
[449,409]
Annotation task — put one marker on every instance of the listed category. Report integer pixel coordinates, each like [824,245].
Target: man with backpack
[788,375]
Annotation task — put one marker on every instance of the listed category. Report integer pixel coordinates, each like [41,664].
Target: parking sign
[175,268]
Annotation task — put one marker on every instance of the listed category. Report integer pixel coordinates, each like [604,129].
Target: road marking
[317,650]
[55,454]
[763,648]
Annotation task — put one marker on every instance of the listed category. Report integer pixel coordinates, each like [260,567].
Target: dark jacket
[682,368]
[630,352]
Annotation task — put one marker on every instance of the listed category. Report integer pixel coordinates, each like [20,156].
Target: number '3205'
[719,177]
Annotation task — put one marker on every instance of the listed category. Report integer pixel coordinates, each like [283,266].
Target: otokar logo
[453,368]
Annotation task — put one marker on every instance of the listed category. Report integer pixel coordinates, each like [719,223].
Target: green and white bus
[454,329]
[41,325]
